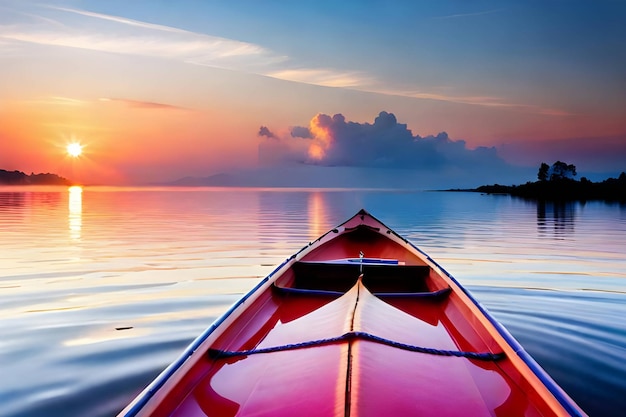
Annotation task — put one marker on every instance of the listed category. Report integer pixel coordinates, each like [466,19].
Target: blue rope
[481,356]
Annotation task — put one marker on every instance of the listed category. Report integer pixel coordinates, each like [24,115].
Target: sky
[305,93]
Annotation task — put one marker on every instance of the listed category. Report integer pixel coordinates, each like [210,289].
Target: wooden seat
[337,278]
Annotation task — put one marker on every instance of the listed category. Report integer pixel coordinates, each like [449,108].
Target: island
[557,183]
[20,178]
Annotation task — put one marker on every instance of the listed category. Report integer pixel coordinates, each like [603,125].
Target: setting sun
[74,149]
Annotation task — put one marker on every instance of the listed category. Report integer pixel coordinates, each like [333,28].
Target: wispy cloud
[122,20]
[56,101]
[132,37]
[71,101]
[127,36]
[473,14]
[485,101]
[323,77]
[139,104]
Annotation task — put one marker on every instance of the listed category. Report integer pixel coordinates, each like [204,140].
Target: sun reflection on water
[75,216]
[317,213]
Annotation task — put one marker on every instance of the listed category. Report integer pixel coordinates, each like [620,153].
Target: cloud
[300,132]
[323,77]
[117,19]
[138,104]
[385,143]
[56,101]
[460,15]
[264,131]
[484,101]
[107,33]
[121,35]
[83,29]
[70,101]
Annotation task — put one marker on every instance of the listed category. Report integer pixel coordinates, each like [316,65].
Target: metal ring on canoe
[482,356]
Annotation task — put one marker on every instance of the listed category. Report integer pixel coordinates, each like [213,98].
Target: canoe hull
[330,334]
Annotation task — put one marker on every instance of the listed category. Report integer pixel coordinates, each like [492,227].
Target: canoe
[359,322]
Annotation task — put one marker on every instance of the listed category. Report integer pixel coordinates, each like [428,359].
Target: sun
[74,149]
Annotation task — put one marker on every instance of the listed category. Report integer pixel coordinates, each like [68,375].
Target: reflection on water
[317,213]
[32,196]
[556,217]
[75,216]
[11,199]
[81,335]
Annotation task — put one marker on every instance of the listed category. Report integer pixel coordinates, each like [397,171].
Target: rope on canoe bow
[482,356]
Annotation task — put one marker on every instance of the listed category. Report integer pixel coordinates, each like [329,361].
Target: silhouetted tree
[542,175]
[561,170]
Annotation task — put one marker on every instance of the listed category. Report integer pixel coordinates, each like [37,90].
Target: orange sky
[122,140]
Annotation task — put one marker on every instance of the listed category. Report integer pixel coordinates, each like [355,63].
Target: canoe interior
[341,277]
[317,298]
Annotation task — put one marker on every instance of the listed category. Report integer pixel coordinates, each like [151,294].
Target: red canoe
[357,323]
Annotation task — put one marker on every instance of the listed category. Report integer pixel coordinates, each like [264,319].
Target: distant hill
[20,178]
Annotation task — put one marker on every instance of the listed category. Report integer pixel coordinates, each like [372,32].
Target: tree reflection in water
[556,216]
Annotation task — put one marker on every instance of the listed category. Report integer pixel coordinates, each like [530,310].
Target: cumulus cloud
[385,143]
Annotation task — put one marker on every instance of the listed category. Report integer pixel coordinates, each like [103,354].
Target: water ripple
[162,264]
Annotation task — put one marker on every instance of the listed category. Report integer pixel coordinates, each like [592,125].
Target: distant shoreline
[20,178]
[562,189]
[555,189]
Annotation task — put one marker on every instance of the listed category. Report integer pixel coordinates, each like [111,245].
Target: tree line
[557,182]
[20,178]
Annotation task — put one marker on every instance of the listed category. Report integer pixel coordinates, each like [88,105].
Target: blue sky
[536,80]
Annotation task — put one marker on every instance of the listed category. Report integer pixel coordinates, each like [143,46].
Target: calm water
[101,288]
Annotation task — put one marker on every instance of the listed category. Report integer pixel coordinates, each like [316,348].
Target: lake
[101,288]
